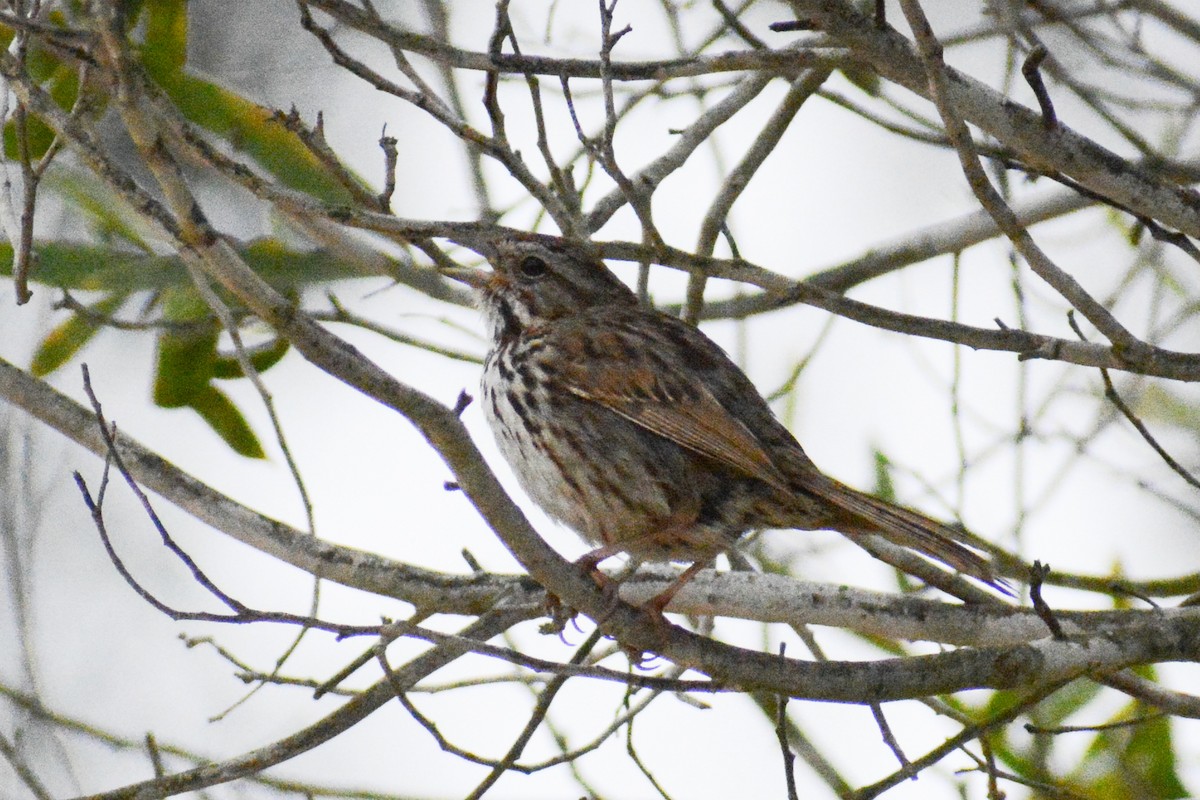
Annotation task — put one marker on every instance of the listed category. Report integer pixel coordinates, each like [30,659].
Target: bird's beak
[475,278]
[479,279]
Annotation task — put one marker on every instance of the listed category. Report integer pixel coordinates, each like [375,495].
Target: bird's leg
[589,564]
[655,605]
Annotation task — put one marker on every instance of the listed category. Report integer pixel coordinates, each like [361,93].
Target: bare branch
[335,723]
[1063,150]
[1125,344]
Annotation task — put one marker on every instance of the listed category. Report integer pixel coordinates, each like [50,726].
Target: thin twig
[390,156]
[340,313]
[1037,573]
[96,509]
[781,733]
[314,139]
[734,24]
[1033,76]
[438,16]
[739,178]
[969,733]
[493,146]
[560,179]
[1106,726]
[1110,392]
[214,301]
[155,754]
[337,722]
[636,758]
[540,709]
[1045,789]
[89,313]
[23,771]
[1125,343]
[770,60]
[23,256]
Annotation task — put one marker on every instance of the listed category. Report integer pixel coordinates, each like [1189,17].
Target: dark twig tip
[391,155]
[792,25]
[473,562]
[622,32]
[464,400]
[1031,70]
[1037,575]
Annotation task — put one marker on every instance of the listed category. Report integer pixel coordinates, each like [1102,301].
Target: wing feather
[671,403]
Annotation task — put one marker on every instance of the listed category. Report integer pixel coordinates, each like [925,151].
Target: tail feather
[907,528]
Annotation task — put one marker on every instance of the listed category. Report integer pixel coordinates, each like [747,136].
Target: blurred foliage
[89,267]
[119,261]
[1166,404]
[188,362]
[1130,753]
[69,337]
[245,125]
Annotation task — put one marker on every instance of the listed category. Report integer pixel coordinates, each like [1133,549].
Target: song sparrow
[637,431]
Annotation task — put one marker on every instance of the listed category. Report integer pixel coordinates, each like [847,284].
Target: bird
[634,429]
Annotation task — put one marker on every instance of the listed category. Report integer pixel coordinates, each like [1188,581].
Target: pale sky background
[835,187]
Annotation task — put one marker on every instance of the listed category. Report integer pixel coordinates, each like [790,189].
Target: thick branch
[368,572]
[776,61]
[1022,129]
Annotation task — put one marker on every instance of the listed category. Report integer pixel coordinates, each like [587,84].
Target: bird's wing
[665,399]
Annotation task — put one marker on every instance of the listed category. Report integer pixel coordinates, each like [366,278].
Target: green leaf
[1158,403]
[37,133]
[262,359]
[1131,761]
[224,418]
[1024,757]
[1150,753]
[1058,707]
[188,362]
[61,82]
[111,220]
[252,129]
[884,488]
[164,49]
[187,355]
[68,338]
[245,125]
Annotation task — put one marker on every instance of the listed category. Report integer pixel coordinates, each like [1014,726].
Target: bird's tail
[909,529]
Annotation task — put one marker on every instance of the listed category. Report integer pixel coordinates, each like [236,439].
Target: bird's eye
[532,267]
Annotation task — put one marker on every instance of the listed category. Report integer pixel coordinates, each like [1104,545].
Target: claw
[559,615]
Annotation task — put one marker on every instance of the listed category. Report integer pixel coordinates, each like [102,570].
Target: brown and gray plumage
[637,431]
